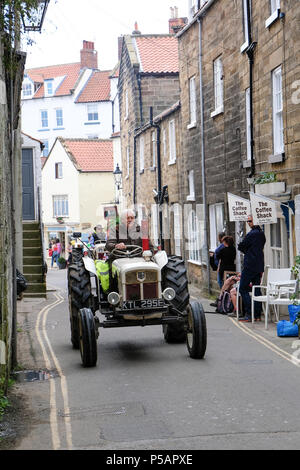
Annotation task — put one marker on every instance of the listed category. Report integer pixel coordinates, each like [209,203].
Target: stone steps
[33,261]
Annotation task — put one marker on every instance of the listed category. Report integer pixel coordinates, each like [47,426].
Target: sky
[69,22]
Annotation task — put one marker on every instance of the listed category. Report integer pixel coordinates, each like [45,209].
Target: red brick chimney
[88,56]
[175,23]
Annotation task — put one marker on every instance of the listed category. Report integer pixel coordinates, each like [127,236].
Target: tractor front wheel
[196,338]
[87,338]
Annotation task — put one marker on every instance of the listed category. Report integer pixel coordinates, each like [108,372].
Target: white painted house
[77,184]
[69,100]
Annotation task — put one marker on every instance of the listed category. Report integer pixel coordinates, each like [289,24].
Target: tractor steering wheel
[131,251]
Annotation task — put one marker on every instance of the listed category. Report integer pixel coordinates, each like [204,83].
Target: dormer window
[49,87]
[27,89]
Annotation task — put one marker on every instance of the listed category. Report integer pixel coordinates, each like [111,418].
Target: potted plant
[62,262]
[294,309]
[60,220]
[266,184]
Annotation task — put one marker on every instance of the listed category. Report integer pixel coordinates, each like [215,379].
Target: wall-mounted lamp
[33,18]
[118,177]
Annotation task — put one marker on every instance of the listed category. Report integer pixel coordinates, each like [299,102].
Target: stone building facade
[249,47]
[148,85]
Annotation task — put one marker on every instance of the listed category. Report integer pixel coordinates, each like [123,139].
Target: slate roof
[157,53]
[97,88]
[90,155]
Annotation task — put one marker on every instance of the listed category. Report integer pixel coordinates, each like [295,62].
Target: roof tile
[97,88]
[90,155]
[158,54]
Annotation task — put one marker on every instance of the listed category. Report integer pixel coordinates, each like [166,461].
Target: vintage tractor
[131,288]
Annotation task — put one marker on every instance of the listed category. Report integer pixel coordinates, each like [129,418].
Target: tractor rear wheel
[80,296]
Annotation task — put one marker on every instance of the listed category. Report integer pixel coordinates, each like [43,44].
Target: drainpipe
[204,201]
[250,54]
[161,194]
[134,170]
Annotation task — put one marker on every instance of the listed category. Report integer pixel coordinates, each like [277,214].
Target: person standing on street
[253,248]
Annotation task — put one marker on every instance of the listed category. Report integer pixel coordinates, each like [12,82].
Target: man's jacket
[118,234]
[252,246]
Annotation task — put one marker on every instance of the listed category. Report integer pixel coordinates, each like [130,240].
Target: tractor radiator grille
[133,292]
[150,291]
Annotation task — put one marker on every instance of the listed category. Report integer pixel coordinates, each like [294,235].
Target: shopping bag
[286,328]
[293,311]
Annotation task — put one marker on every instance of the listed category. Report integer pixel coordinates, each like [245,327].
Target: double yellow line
[41,333]
[293,358]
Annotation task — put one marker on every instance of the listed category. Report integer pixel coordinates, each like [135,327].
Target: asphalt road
[147,394]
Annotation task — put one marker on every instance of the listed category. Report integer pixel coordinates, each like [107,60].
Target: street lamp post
[34,17]
[118,180]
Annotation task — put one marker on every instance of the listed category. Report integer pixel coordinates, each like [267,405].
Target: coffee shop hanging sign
[239,208]
[263,209]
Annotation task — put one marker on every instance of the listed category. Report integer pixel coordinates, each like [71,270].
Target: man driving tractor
[128,232]
[120,236]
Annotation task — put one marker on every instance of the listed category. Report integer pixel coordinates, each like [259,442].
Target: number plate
[146,303]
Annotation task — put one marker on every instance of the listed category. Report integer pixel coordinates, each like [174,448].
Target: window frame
[194,241]
[248,124]
[58,170]
[277,113]
[92,115]
[172,142]
[153,148]
[218,86]
[44,120]
[59,118]
[142,154]
[48,83]
[60,202]
[177,229]
[274,12]
[214,229]
[192,102]
[191,195]
[245,25]
[25,87]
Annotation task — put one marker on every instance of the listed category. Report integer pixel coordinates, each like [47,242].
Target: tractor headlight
[113,298]
[169,294]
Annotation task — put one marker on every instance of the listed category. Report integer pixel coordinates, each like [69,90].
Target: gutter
[203,176]
[250,54]
[200,13]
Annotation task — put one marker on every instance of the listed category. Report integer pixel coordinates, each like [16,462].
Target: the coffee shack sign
[262,209]
[239,208]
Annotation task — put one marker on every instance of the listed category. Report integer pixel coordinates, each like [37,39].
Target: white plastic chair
[277,291]
[263,280]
